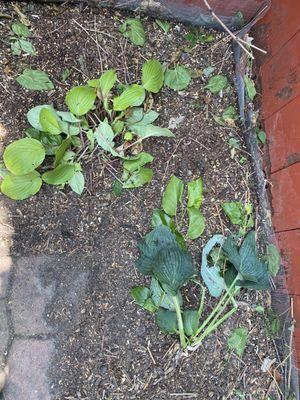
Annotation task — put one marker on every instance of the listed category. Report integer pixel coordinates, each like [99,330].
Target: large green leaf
[105,83]
[136,163]
[133,96]
[167,321]
[195,193]
[152,76]
[237,340]
[33,116]
[49,121]
[59,175]
[141,295]
[161,298]
[23,156]
[80,99]
[138,178]
[217,83]
[196,223]
[133,29]
[172,196]
[190,322]
[34,79]
[20,187]
[178,78]
[162,258]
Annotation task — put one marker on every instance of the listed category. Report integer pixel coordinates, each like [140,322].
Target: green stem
[201,306]
[180,321]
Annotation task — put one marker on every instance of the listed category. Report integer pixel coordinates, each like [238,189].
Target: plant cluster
[19,41]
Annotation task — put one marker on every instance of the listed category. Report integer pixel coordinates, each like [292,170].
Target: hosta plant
[101,117]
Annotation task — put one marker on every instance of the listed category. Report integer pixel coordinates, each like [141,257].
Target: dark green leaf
[161,298]
[167,321]
[172,196]
[34,79]
[237,340]
[140,294]
[190,322]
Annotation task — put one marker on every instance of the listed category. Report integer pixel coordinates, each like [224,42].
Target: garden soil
[114,350]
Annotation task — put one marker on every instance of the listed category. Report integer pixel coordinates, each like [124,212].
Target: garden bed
[115,351]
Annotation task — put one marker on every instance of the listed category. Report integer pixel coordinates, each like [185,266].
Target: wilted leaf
[216,84]
[250,87]
[138,178]
[178,78]
[196,223]
[133,29]
[80,99]
[60,175]
[23,156]
[152,76]
[237,340]
[34,79]
[195,193]
[133,96]
[161,298]
[146,131]
[20,187]
[208,71]
[172,196]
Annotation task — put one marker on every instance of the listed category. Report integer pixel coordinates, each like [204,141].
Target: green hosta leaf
[27,47]
[138,178]
[133,96]
[196,223]
[273,259]
[133,29]
[23,156]
[34,79]
[80,99]
[105,83]
[20,187]
[212,275]
[104,136]
[178,78]
[152,76]
[167,321]
[159,217]
[50,142]
[59,153]
[234,211]
[250,87]
[164,25]
[217,83]
[141,296]
[190,322]
[136,116]
[68,117]
[146,131]
[77,182]
[237,340]
[49,121]
[20,29]
[162,257]
[60,175]
[161,298]
[195,193]
[172,196]
[33,116]
[133,165]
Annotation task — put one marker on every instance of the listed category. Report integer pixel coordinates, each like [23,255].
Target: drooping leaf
[196,223]
[133,96]
[234,211]
[20,187]
[167,321]
[59,153]
[80,99]
[59,175]
[23,156]
[164,25]
[162,257]
[134,164]
[212,275]
[190,322]
[172,196]
[237,341]
[138,178]
[34,79]
[77,182]
[273,259]
[105,83]
[49,121]
[178,78]
[20,29]
[250,87]
[161,298]
[217,83]
[33,116]
[133,29]
[195,193]
[152,76]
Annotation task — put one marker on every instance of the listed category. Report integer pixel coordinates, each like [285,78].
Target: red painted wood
[280,77]
[286,198]
[283,136]
[289,245]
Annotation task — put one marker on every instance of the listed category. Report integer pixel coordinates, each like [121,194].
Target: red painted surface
[279,74]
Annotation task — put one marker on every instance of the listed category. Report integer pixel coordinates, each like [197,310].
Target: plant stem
[180,321]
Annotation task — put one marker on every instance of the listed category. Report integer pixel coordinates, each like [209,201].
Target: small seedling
[133,29]
[239,214]
[237,341]
[19,41]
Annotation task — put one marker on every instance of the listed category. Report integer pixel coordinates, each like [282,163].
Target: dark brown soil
[116,351]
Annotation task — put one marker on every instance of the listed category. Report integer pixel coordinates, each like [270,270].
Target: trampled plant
[97,116]
[165,258]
